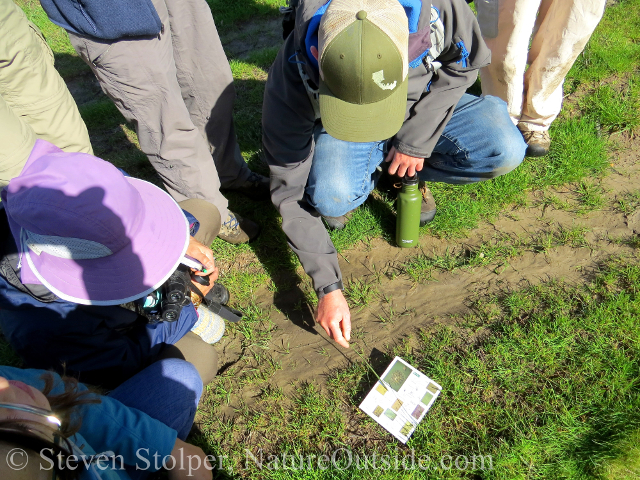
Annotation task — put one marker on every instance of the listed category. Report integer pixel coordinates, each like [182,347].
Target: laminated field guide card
[400,399]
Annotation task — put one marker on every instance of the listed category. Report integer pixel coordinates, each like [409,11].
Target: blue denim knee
[479,142]
[342,173]
[509,145]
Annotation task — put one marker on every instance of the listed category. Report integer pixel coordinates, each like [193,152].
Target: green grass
[228,14]
[615,107]
[359,293]
[614,48]
[544,380]
[627,465]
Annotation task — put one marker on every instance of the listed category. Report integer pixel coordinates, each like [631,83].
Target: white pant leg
[564,27]
[504,78]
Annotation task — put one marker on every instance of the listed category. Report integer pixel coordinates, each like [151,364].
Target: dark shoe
[538,143]
[428,208]
[218,294]
[256,187]
[236,229]
[337,223]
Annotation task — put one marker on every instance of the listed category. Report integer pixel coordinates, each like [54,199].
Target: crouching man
[358,83]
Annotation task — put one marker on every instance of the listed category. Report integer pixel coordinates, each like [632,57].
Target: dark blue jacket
[105,19]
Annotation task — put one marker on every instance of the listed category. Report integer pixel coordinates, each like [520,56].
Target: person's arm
[139,439]
[429,111]
[287,124]
[110,425]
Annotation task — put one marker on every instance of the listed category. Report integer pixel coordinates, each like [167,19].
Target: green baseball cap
[363,69]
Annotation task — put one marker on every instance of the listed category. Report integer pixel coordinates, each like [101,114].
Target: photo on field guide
[397,375]
[405,395]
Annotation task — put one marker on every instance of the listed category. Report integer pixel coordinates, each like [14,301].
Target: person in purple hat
[78,240]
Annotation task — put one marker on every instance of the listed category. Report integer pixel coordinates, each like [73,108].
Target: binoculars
[166,303]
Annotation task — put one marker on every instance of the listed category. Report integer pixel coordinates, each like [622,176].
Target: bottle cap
[407,180]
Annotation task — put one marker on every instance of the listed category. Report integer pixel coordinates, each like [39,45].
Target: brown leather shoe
[428,208]
[538,143]
[236,229]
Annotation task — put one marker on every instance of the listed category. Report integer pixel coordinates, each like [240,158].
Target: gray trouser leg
[192,349]
[206,82]
[208,217]
[165,97]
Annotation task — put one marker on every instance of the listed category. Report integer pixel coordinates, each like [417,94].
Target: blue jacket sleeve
[109,425]
[105,19]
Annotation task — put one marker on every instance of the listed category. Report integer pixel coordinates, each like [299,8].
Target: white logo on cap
[378,78]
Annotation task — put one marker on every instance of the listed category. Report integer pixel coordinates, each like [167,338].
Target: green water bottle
[408,213]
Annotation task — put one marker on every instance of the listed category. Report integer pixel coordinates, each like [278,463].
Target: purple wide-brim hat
[88,233]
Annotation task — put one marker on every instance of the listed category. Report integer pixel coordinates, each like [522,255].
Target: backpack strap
[289,18]
[312,93]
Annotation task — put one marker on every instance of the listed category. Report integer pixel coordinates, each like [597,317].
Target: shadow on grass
[70,66]
[607,433]
[278,260]
[228,14]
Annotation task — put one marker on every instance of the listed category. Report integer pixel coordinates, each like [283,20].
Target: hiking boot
[337,223]
[236,229]
[428,208]
[256,187]
[537,142]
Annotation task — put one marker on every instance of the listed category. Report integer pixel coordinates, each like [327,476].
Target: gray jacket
[455,52]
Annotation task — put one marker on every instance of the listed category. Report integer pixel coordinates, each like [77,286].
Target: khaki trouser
[34,100]
[560,29]
[177,89]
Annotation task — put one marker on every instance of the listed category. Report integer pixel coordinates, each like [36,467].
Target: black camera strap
[228,313]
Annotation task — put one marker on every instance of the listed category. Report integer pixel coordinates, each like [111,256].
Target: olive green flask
[408,213]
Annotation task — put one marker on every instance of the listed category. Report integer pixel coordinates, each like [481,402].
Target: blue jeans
[169,391]
[479,142]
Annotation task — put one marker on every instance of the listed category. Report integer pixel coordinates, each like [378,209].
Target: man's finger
[393,167]
[346,327]
[390,155]
[326,329]
[337,335]
[411,171]
[402,170]
[205,257]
